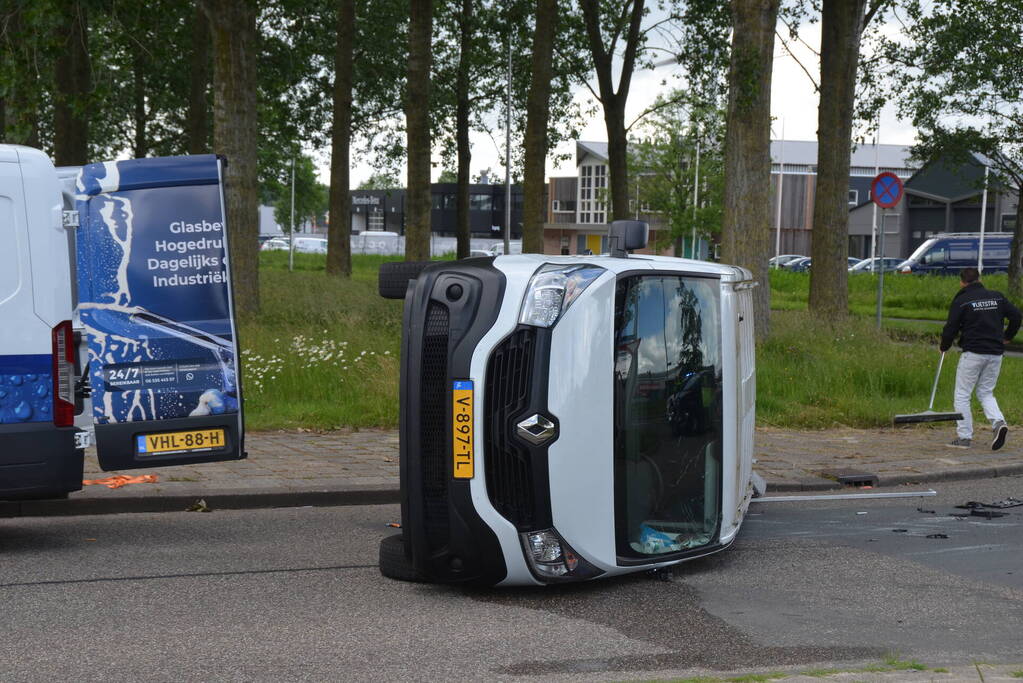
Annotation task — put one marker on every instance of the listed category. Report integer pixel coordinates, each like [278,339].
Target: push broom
[929,415]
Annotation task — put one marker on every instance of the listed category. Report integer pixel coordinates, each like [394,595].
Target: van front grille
[509,466]
[432,425]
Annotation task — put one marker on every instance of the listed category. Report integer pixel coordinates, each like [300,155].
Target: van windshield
[667,397]
[918,255]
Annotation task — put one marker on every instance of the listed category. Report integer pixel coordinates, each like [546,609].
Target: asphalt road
[294,594]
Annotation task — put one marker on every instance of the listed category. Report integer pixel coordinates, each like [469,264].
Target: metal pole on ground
[781,180]
[880,272]
[291,241]
[873,217]
[507,158]
[696,196]
[983,223]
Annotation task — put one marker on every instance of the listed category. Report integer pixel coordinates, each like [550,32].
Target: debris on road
[119,480]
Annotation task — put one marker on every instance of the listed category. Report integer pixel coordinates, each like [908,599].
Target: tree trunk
[141,145]
[462,229]
[841,28]
[197,127]
[1016,253]
[417,124]
[339,243]
[73,83]
[614,102]
[235,131]
[537,119]
[746,224]
[617,158]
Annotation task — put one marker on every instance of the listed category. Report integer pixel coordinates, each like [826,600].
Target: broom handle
[936,377]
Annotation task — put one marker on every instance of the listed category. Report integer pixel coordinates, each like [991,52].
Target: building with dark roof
[944,195]
[385,210]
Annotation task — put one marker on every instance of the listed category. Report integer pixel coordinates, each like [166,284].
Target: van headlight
[552,289]
[551,559]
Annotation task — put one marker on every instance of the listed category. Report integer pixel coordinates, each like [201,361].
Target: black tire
[395,276]
[394,563]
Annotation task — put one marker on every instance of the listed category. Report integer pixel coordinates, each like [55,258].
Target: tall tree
[842,24]
[339,244]
[73,77]
[958,66]
[462,105]
[624,21]
[233,28]
[745,228]
[417,125]
[537,118]
[197,130]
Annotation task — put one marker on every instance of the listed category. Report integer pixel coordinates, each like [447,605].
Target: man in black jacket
[978,316]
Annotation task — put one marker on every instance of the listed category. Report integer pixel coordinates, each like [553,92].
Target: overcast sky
[793,104]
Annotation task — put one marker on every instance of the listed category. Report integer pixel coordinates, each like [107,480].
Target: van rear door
[154,297]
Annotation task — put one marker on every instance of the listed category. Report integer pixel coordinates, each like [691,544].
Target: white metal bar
[846,496]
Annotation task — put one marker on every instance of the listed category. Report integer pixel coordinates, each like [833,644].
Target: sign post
[886,192]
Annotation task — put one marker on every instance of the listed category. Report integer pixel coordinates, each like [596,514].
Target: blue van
[949,253]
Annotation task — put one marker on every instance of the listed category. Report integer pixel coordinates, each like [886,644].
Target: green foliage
[958,65]
[663,159]
[310,196]
[381,180]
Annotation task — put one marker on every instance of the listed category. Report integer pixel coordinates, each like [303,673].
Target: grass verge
[323,354]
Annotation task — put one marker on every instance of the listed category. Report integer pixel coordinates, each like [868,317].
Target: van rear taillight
[63,375]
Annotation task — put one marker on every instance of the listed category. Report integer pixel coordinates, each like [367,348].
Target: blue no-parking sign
[886,190]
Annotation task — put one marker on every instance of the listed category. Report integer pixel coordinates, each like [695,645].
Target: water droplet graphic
[23,411]
[17,380]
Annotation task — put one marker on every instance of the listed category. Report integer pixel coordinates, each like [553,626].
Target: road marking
[963,548]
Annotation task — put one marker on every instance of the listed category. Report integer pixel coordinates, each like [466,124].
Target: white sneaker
[1001,431]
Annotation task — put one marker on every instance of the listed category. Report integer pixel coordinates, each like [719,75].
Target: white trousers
[976,371]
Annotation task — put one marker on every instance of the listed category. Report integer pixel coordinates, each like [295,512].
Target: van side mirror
[624,236]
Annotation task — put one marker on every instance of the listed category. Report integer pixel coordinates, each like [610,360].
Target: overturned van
[569,418]
[134,255]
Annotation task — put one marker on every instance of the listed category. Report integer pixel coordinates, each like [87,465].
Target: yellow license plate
[461,429]
[181,442]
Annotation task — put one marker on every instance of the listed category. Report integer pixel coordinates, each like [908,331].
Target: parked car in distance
[275,244]
[867,265]
[303,245]
[852,260]
[780,261]
[949,253]
[311,245]
[473,253]
[799,265]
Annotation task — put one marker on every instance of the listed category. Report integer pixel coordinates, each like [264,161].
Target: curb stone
[387,495]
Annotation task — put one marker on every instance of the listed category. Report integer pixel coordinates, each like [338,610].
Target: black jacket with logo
[978,316]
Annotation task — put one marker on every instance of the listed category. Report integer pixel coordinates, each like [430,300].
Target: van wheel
[394,563]
[394,277]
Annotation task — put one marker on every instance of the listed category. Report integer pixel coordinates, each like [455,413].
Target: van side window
[996,252]
[963,251]
[935,255]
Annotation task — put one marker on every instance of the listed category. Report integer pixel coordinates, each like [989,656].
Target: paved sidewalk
[361,467]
